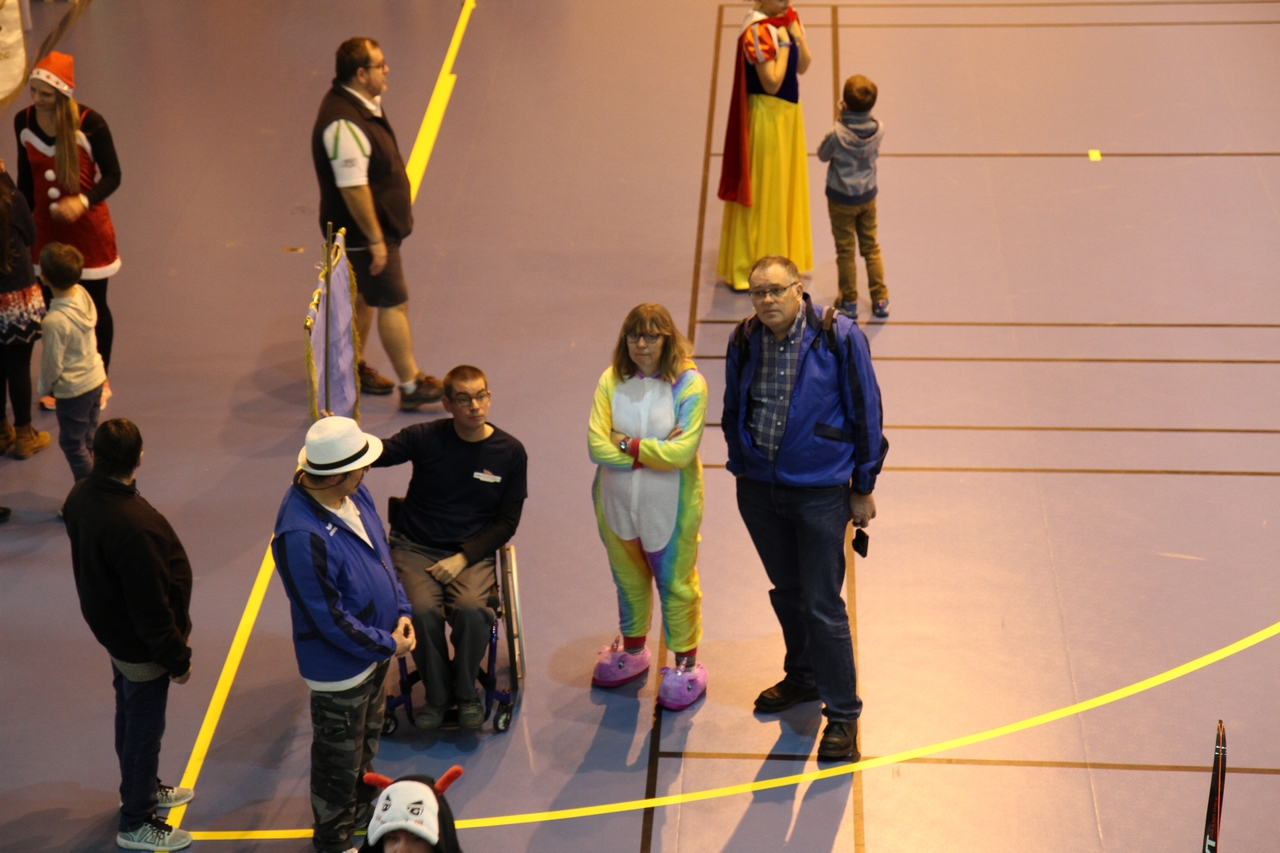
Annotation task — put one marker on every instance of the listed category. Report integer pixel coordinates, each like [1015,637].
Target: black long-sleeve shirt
[464,495]
[22,233]
[131,572]
[95,129]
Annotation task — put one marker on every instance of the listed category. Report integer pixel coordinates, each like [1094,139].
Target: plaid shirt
[771,387]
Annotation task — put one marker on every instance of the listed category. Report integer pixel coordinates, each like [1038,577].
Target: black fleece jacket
[131,572]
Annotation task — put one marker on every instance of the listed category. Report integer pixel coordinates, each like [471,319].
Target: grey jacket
[850,149]
[70,365]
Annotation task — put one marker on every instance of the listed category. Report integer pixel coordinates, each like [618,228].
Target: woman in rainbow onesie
[646,425]
[764,173]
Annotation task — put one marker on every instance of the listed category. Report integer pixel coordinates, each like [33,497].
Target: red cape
[735,173]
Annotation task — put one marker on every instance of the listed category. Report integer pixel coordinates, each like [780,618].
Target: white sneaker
[155,834]
[168,797]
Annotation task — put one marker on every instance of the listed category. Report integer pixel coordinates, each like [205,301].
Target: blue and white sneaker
[848,309]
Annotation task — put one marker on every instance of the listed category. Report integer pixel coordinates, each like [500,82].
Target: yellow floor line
[784,781]
[421,153]
[229,668]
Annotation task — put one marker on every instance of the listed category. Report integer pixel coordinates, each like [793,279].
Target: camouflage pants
[345,727]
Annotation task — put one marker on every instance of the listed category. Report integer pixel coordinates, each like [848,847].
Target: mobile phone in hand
[860,540]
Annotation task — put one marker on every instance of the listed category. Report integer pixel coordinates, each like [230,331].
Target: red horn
[450,776]
[376,780]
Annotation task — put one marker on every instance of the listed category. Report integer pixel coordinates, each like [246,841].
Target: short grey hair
[793,274]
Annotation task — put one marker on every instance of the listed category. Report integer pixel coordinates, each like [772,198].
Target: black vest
[387,179]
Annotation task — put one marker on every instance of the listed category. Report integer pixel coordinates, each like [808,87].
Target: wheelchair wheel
[502,719]
[390,723]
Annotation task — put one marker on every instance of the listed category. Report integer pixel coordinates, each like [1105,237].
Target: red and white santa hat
[58,70]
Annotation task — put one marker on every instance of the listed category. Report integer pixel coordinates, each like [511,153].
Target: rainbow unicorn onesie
[648,502]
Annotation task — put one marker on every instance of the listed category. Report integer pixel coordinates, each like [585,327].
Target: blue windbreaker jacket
[833,433]
[344,596]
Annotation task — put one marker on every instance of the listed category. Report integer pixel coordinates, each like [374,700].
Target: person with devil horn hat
[411,815]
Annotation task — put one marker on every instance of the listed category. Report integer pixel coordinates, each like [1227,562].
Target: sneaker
[28,441]
[880,308]
[680,687]
[155,834]
[470,713]
[48,403]
[429,390]
[168,797]
[428,718]
[784,695]
[839,741]
[615,666]
[848,309]
[373,382]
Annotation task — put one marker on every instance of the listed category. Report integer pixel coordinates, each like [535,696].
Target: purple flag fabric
[331,339]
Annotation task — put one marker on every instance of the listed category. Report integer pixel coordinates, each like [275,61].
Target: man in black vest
[364,188]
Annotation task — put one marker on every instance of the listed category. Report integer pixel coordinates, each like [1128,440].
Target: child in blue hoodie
[850,150]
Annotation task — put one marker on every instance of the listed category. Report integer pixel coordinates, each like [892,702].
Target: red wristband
[633,450]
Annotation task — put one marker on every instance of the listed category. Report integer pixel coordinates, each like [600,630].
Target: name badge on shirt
[487,476]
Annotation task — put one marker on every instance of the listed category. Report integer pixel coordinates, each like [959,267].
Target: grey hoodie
[850,149]
[70,365]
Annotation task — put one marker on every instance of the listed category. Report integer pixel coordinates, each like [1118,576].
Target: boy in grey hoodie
[70,367]
[850,149]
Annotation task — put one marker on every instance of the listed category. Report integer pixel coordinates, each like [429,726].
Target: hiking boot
[470,713]
[7,435]
[155,834]
[428,718]
[373,382]
[839,741]
[429,390]
[880,308]
[784,695]
[681,687]
[28,441]
[615,666]
[848,309]
[168,797]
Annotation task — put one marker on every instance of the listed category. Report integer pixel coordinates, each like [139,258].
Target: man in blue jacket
[349,617]
[803,423]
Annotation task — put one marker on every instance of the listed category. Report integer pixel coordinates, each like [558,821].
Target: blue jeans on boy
[799,535]
[77,422]
[140,707]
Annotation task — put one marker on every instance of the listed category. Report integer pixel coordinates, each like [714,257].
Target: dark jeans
[77,422]
[139,726]
[464,604]
[799,535]
[345,728]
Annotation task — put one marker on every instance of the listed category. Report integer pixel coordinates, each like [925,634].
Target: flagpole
[328,272]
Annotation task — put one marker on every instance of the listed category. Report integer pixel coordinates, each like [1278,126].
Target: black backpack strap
[828,332]
[741,341]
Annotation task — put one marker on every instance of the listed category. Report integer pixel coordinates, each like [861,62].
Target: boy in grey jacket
[850,150]
[70,367]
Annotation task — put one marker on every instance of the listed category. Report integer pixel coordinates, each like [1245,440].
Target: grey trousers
[463,604]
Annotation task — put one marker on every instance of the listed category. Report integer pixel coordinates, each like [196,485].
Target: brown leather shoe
[429,390]
[373,382]
[29,441]
[7,435]
[784,695]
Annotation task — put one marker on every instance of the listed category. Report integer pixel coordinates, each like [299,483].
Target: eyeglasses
[464,401]
[635,338]
[381,66]
[774,293]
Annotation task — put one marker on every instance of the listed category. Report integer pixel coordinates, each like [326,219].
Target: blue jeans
[77,422]
[799,535]
[139,726]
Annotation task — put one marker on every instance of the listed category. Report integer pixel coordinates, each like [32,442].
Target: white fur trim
[53,80]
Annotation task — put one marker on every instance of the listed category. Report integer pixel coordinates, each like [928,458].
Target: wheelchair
[504,600]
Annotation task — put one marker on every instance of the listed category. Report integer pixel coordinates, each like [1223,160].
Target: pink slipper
[680,688]
[615,666]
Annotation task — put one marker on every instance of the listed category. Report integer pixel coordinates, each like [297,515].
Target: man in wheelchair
[464,502]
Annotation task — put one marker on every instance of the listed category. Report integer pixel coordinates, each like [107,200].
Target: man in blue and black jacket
[350,616]
[803,423]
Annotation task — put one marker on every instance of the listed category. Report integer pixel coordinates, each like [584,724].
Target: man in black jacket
[134,584]
[364,189]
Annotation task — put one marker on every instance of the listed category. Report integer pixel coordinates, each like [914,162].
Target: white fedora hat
[337,445]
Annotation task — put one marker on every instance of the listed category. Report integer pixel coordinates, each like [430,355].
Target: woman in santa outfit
[67,168]
[764,173]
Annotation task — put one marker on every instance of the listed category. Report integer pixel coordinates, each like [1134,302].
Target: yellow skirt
[777,222]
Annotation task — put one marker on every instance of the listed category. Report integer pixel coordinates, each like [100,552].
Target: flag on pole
[331,337]
[1213,820]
